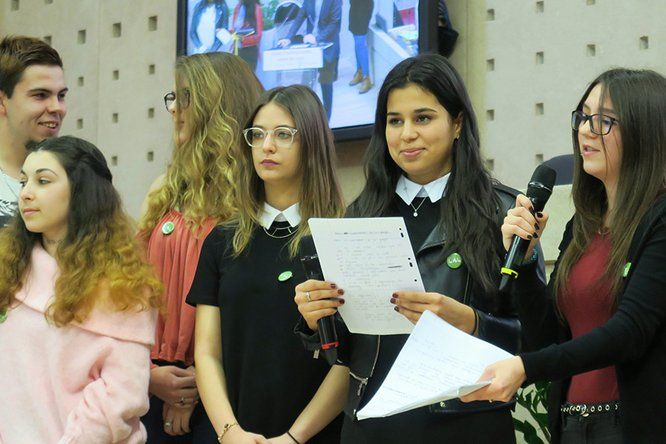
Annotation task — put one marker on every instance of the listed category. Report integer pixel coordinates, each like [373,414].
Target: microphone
[538,192]
[326,325]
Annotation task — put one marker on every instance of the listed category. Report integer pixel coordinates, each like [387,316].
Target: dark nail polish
[395,295]
[393,300]
[396,309]
[536,227]
[341,291]
[532,210]
[536,235]
[342,302]
[334,286]
[529,237]
[539,215]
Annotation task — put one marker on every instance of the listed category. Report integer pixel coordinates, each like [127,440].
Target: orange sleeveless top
[174,252]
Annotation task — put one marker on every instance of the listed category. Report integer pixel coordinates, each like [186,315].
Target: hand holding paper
[370,259]
[438,362]
[507,377]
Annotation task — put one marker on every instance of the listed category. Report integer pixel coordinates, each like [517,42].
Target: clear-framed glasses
[183,99]
[600,124]
[283,136]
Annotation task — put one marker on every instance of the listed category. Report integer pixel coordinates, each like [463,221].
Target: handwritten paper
[370,258]
[438,362]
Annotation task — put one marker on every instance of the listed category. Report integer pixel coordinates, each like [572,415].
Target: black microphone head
[542,183]
[307,246]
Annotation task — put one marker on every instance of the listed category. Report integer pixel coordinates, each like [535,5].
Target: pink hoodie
[83,383]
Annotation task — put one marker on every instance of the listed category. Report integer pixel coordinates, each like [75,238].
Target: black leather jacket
[498,321]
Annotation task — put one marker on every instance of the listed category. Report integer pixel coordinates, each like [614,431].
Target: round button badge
[168,228]
[454,261]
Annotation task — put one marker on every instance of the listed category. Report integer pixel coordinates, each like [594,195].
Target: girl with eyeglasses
[77,305]
[213,98]
[424,164]
[255,379]
[602,318]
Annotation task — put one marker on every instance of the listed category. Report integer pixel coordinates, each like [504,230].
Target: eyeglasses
[183,99]
[600,124]
[283,136]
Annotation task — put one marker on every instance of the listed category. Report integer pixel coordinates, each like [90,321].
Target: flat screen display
[342,49]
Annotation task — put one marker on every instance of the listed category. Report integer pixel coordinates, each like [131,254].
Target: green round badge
[454,261]
[168,227]
[3,316]
[285,276]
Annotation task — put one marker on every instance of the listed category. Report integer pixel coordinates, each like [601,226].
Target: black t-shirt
[418,228]
[270,376]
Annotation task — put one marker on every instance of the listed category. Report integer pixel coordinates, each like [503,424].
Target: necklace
[416,209]
[4,179]
[275,232]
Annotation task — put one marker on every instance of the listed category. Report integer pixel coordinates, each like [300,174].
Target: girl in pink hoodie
[77,306]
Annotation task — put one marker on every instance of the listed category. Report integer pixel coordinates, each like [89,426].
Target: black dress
[270,377]
[420,425]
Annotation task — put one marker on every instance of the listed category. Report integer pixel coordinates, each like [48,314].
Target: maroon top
[587,305]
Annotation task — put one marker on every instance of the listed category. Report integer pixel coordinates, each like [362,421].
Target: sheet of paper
[370,258]
[438,362]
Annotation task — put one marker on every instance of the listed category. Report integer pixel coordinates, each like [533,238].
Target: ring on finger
[167,424]
[307,296]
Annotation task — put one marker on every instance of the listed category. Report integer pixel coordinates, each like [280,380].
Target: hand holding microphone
[523,225]
[524,222]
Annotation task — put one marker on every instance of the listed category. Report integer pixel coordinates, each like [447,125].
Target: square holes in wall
[151,69]
[643,42]
[490,115]
[150,156]
[47,39]
[81,38]
[114,160]
[490,164]
[152,23]
[539,7]
[116,74]
[490,65]
[14,5]
[539,58]
[116,30]
[538,109]
[114,117]
[591,50]
[539,159]
[151,113]
[79,123]
[490,15]
[80,81]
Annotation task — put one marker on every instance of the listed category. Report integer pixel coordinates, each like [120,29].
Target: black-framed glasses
[182,99]
[283,136]
[600,124]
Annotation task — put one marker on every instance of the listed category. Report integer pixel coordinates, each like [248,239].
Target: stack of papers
[438,362]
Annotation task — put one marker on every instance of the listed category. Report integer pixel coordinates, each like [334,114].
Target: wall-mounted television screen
[342,49]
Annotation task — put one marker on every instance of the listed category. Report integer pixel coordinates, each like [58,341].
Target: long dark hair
[469,214]
[639,101]
[99,258]
[250,13]
[320,194]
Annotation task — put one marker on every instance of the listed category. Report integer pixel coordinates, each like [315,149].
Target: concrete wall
[115,97]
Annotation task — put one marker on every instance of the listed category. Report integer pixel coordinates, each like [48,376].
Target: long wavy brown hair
[222,90]
[320,194]
[98,253]
[639,101]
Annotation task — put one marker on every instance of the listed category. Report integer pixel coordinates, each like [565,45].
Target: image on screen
[342,49]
